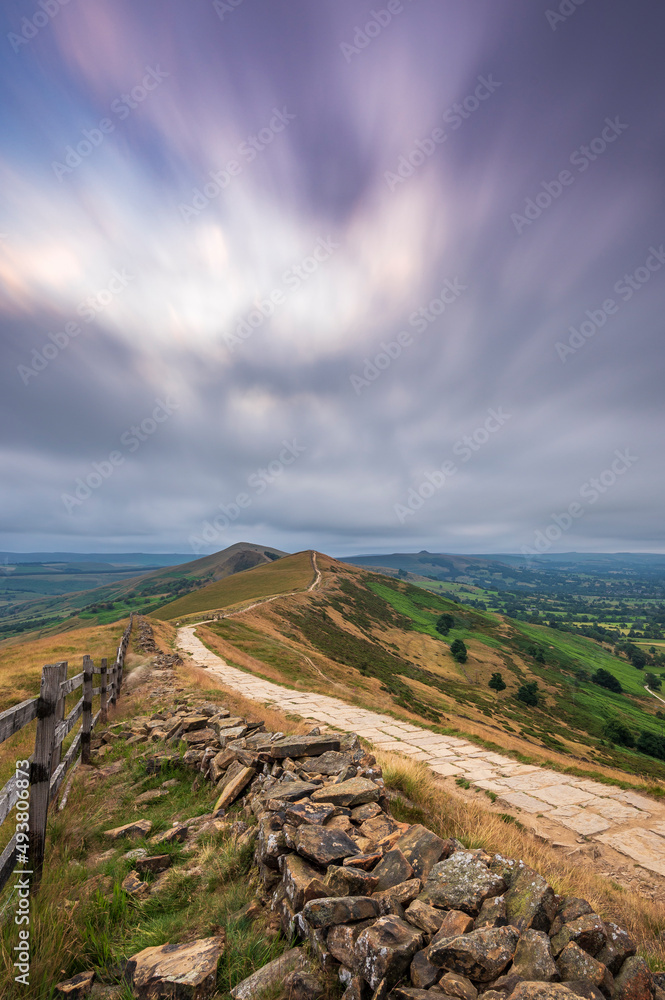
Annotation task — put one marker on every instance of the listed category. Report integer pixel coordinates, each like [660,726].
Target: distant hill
[54,595]
[289,574]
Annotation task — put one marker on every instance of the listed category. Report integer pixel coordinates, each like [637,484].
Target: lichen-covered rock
[304,985]
[301,881]
[587,931]
[574,963]
[454,985]
[533,959]
[425,918]
[619,946]
[183,970]
[634,981]
[492,913]
[392,869]
[385,950]
[323,846]
[329,763]
[481,955]
[293,791]
[354,792]
[423,974]
[570,908]
[339,910]
[530,901]
[422,849]
[271,975]
[540,991]
[341,881]
[341,942]
[453,924]
[462,883]
[270,844]
[77,987]
[302,746]
[308,812]
[140,828]
[583,988]
[398,896]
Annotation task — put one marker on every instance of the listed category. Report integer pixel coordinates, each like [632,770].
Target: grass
[286,575]
[82,918]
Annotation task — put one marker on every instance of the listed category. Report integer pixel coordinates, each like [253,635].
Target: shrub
[496,682]
[607,680]
[616,732]
[528,693]
[444,623]
[458,649]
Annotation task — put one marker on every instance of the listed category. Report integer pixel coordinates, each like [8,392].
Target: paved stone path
[630,823]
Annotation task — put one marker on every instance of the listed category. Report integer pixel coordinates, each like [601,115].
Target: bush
[458,649]
[607,680]
[651,744]
[616,732]
[444,624]
[496,682]
[528,693]
[653,681]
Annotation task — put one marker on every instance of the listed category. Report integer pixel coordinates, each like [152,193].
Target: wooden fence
[47,765]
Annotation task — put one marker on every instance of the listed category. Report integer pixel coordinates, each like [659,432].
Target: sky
[359,277]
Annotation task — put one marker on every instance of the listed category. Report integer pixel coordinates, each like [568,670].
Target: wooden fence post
[40,769]
[114,685]
[59,714]
[104,695]
[86,728]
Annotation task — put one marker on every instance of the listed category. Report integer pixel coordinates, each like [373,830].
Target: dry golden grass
[451,815]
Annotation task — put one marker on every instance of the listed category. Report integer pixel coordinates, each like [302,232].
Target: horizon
[369,277]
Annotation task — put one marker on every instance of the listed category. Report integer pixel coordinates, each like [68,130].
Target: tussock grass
[451,815]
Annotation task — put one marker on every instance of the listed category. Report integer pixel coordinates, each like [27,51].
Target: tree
[607,680]
[496,682]
[653,681]
[458,649]
[616,732]
[444,623]
[651,744]
[528,693]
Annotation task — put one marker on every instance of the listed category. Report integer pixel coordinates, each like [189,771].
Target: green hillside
[289,574]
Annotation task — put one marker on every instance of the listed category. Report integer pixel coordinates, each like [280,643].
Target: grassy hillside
[373,640]
[289,574]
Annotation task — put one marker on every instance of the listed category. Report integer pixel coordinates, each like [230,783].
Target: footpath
[556,804]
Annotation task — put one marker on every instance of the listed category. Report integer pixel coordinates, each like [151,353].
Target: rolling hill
[289,574]
[24,611]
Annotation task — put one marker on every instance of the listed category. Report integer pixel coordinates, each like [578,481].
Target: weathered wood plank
[7,862]
[17,717]
[63,767]
[104,690]
[59,713]
[66,727]
[8,797]
[71,684]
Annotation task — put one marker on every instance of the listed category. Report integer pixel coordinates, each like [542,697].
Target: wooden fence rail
[47,766]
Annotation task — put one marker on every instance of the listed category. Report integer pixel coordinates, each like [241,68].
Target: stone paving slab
[589,808]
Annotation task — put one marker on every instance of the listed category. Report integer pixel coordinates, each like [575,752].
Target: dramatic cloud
[352,276]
